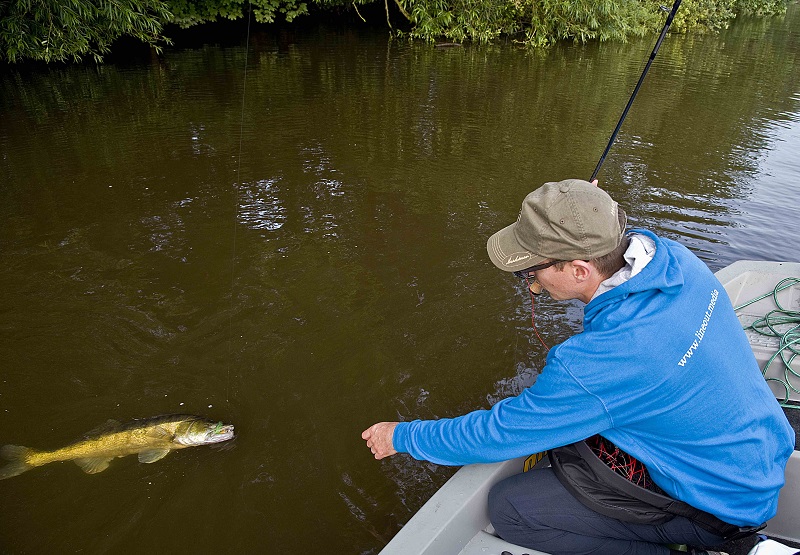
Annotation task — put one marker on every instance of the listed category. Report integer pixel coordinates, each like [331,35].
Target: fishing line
[533,315]
[237,185]
[670,17]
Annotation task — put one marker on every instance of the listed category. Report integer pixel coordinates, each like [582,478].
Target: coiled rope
[785,325]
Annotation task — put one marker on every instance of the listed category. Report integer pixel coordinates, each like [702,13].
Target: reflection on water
[332,272]
[260,206]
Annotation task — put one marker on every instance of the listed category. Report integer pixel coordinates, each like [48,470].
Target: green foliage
[461,20]
[760,7]
[191,12]
[542,22]
[59,30]
[534,22]
[704,15]
[577,20]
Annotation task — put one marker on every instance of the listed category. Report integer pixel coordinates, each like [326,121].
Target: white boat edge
[455,520]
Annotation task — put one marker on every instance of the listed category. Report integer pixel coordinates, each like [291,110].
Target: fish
[151,438]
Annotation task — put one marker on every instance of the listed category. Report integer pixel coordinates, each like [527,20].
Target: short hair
[608,264]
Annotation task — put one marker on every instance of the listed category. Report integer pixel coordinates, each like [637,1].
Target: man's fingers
[369,432]
[379,439]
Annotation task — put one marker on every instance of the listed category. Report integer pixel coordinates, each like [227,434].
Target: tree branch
[403,11]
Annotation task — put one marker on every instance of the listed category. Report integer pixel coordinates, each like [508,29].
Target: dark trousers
[534,510]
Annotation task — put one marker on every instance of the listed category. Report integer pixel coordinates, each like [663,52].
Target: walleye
[152,438]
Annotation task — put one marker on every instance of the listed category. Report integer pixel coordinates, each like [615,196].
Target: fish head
[203,432]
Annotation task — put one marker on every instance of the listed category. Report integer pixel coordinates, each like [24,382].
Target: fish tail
[18,460]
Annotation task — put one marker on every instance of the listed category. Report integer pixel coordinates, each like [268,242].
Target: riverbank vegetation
[69,30]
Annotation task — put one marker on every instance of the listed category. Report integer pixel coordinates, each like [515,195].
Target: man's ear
[581,270]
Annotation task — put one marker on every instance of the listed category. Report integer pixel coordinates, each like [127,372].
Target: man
[662,370]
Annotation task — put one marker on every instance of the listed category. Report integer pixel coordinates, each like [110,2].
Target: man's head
[565,220]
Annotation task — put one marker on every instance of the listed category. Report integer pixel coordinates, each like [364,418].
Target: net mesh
[622,463]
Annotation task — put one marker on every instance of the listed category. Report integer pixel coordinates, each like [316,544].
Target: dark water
[313,260]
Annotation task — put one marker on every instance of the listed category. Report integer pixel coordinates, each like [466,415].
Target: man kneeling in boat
[661,387]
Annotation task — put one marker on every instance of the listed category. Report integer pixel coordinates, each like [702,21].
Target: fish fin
[106,427]
[160,432]
[17,456]
[93,465]
[152,455]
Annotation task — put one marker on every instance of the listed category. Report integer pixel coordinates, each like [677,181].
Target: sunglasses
[526,273]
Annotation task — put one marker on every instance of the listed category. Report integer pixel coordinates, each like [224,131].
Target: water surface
[301,252]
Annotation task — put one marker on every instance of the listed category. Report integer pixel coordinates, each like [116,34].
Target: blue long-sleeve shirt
[664,370]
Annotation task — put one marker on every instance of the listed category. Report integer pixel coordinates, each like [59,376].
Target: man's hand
[379,439]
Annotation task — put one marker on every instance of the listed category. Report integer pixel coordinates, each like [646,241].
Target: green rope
[785,325]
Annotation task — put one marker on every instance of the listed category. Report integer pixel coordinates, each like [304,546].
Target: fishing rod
[670,17]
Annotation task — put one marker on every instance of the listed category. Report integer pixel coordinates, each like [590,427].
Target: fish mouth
[224,433]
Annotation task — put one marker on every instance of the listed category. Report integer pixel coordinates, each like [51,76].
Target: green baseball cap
[564,220]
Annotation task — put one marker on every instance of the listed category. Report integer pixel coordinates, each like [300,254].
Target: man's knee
[527,504]
[502,513]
